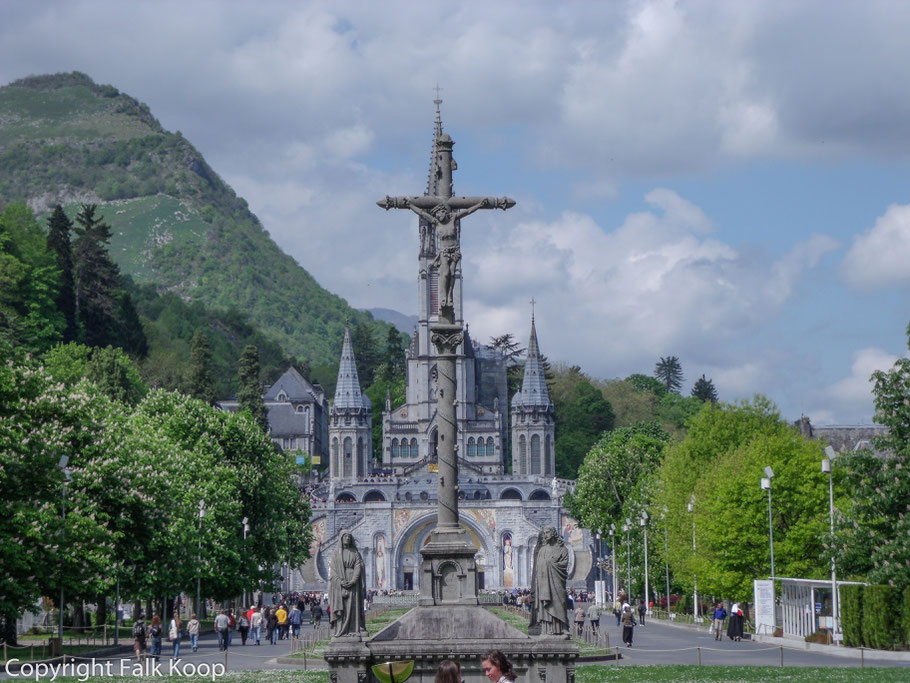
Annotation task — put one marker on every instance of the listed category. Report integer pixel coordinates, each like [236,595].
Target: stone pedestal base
[349,660]
[448,573]
[430,634]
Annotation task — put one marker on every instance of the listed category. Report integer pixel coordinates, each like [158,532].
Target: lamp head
[690,507]
[826,466]
[830,452]
[769,472]
[64,461]
[765,484]
[612,528]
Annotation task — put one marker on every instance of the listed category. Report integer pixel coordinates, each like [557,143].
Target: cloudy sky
[727,182]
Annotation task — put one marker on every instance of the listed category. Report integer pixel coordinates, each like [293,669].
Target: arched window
[361,458]
[336,466]
[348,457]
[413,448]
[489,446]
[394,448]
[547,457]
[299,409]
[535,454]
[522,455]
[471,450]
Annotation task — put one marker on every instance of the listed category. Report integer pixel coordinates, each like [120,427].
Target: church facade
[508,491]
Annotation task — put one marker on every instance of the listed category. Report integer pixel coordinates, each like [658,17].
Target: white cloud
[879,257]
[849,400]
[652,286]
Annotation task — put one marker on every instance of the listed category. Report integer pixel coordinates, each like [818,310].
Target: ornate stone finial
[438,99]
[532,302]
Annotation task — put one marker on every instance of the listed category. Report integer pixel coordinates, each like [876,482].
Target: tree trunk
[101,614]
[137,610]
[148,609]
[78,615]
[8,627]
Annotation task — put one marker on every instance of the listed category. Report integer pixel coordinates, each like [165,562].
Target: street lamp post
[627,527]
[826,467]
[246,528]
[201,508]
[691,508]
[600,552]
[644,525]
[613,554]
[766,486]
[67,475]
[663,517]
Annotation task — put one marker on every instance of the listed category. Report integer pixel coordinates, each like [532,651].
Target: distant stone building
[842,438]
[389,502]
[297,414]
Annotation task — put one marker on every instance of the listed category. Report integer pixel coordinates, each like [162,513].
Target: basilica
[507,488]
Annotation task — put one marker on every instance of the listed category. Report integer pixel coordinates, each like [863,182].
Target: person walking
[594,617]
[243,625]
[281,614]
[316,612]
[628,624]
[139,638]
[497,667]
[642,611]
[295,619]
[173,635]
[719,615]
[617,610]
[579,619]
[735,629]
[273,627]
[156,633]
[256,625]
[192,627]
[221,628]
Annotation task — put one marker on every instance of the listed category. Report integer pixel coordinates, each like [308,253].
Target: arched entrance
[408,544]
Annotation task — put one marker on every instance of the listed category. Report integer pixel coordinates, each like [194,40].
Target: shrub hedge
[905,630]
[881,617]
[851,612]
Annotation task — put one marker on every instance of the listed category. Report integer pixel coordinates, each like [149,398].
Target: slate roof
[533,386]
[294,386]
[347,388]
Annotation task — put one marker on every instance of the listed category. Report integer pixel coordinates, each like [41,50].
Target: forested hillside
[175,224]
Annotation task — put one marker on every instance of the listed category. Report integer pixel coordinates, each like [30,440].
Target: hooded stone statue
[550,602]
[347,588]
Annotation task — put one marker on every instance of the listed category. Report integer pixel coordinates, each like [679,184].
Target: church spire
[435,173]
[347,388]
[534,386]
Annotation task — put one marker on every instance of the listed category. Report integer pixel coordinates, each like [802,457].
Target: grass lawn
[38,654]
[732,674]
[376,621]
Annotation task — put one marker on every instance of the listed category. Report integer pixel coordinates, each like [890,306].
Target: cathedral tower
[533,424]
[350,428]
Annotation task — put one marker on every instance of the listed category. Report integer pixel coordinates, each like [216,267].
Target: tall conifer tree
[97,279]
[249,394]
[58,243]
[201,383]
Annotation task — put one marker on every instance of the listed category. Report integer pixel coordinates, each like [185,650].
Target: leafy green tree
[249,393]
[581,418]
[675,411]
[366,352]
[110,369]
[612,472]
[720,463]
[59,227]
[29,283]
[873,538]
[630,404]
[646,383]
[669,371]
[704,390]
[97,279]
[201,385]
[393,365]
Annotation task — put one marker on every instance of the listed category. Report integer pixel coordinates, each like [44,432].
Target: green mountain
[176,224]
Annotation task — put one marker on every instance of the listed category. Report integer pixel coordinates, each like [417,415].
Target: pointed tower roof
[533,386]
[434,175]
[347,388]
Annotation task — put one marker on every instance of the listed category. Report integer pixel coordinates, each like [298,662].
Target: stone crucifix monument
[448,621]
[448,572]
